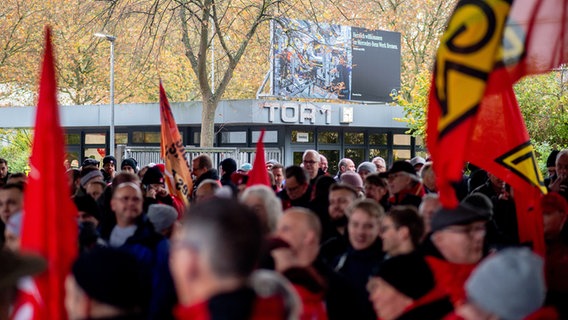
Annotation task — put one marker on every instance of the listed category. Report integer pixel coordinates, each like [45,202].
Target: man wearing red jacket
[455,247]
[212,259]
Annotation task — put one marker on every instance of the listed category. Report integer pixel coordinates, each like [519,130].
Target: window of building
[269,136]
[145,137]
[73,138]
[121,138]
[355,154]
[401,154]
[378,139]
[332,157]
[234,137]
[401,140]
[95,138]
[302,137]
[354,138]
[328,137]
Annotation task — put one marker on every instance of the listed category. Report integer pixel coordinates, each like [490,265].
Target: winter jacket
[242,304]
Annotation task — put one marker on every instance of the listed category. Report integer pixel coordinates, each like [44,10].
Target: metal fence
[146,155]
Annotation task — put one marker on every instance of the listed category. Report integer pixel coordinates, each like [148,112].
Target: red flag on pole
[473,114]
[50,217]
[178,176]
[259,174]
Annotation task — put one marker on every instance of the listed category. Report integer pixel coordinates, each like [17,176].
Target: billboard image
[334,62]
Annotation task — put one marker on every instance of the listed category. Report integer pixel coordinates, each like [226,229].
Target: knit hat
[368,166]
[153,176]
[14,224]
[246,167]
[90,162]
[229,165]
[162,216]
[402,166]
[90,176]
[353,179]
[551,160]
[110,276]
[408,273]
[87,204]
[109,159]
[479,201]
[129,162]
[463,214]
[509,284]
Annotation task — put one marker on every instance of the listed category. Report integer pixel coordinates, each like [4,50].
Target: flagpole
[110,39]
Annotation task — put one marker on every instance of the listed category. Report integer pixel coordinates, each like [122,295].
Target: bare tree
[214,34]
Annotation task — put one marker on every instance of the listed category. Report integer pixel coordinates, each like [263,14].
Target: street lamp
[111,39]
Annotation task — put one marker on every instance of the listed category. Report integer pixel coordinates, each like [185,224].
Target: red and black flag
[473,114]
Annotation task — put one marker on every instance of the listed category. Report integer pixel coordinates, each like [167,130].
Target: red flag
[259,174]
[178,176]
[473,114]
[50,217]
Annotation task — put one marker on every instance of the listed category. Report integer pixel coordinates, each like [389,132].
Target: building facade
[356,131]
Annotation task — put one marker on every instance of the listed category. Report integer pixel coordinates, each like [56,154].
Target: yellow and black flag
[473,114]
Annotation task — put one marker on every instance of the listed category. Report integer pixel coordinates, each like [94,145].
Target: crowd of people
[370,241]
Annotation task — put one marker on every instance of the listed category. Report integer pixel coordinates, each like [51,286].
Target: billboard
[329,61]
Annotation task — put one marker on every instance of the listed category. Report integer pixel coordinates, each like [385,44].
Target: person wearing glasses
[404,185]
[455,247]
[311,161]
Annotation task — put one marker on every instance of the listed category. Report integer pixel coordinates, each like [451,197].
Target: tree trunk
[208,123]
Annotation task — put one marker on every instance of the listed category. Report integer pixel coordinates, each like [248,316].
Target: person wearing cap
[344,165]
[417,162]
[366,168]
[228,166]
[245,168]
[270,163]
[404,185]
[455,247]
[129,165]
[403,287]
[91,162]
[109,168]
[105,283]
[155,190]
[551,167]
[507,285]
[554,209]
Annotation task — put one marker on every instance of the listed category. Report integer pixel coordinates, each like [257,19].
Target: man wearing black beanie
[104,284]
[403,288]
